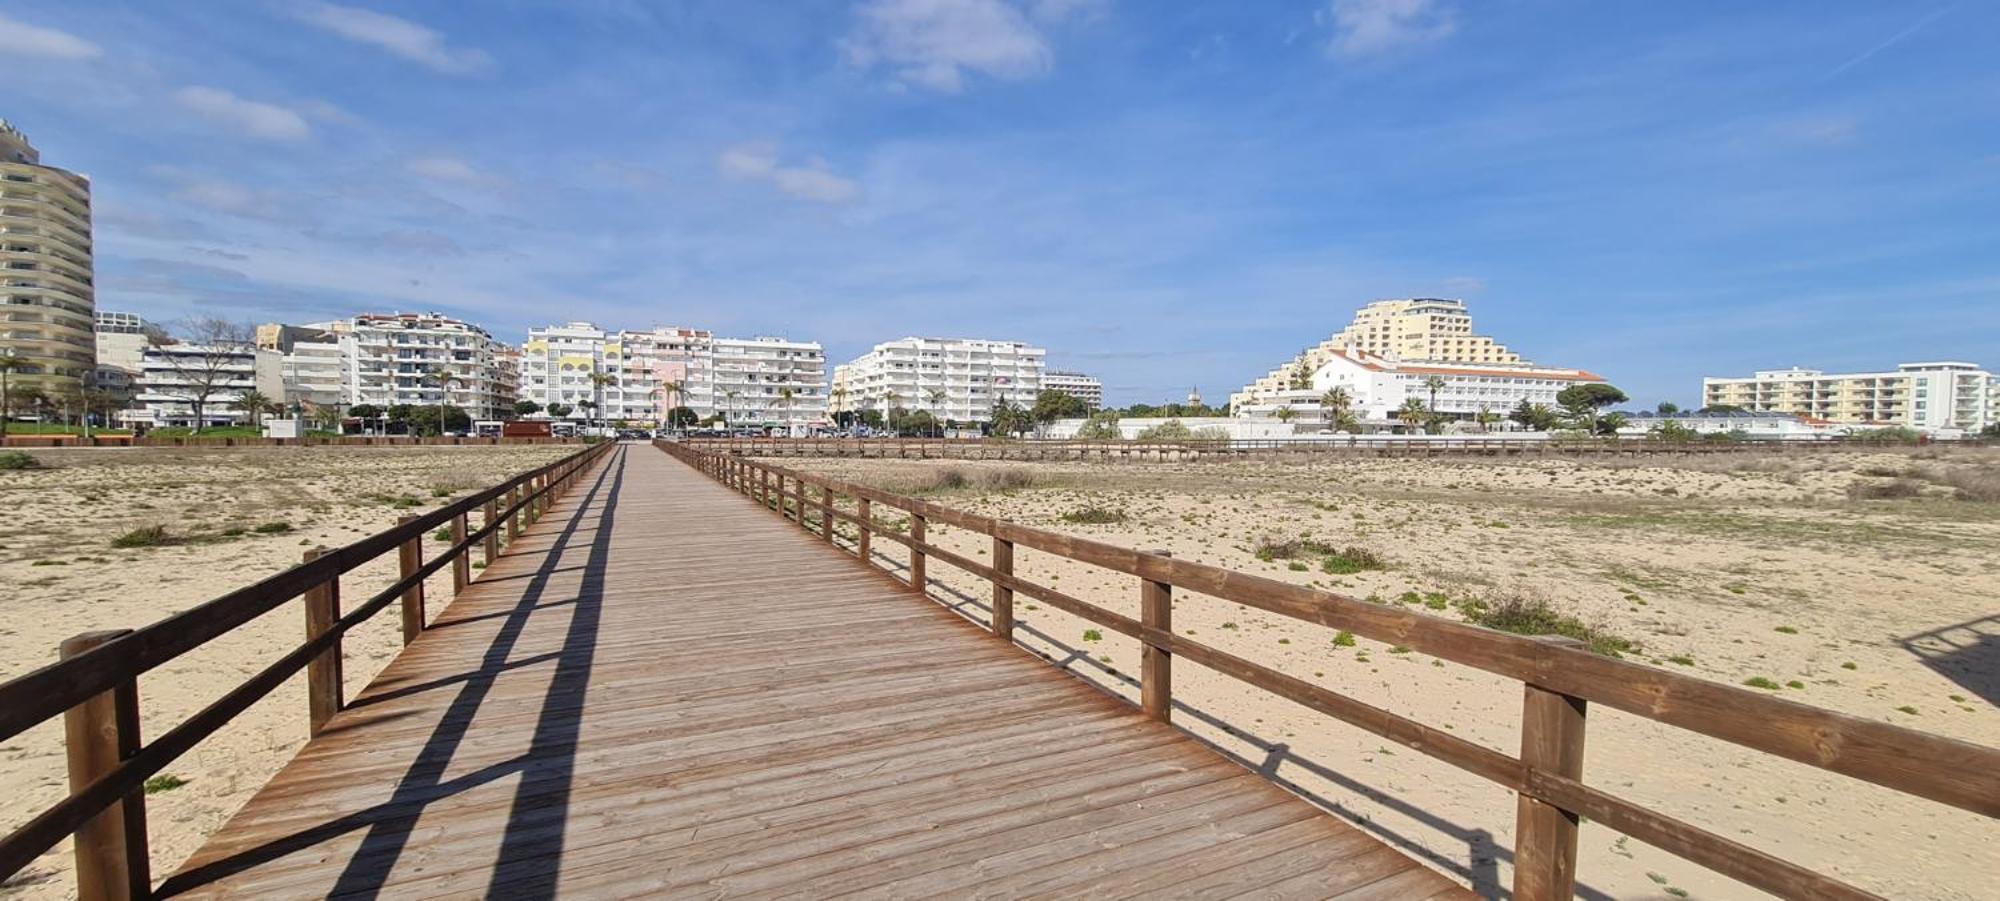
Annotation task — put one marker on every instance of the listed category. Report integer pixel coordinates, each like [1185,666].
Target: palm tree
[9,363]
[839,396]
[255,403]
[1413,413]
[597,382]
[891,398]
[1335,404]
[729,412]
[1434,383]
[444,378]
[936,396]
[677,394]
[1286,414]
[786,395]
[1486,419]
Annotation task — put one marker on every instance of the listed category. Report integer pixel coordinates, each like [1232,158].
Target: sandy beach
[1837,579]
[239,515]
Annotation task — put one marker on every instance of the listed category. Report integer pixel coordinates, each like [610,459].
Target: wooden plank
[323,674]
[110,848]
[1552,731]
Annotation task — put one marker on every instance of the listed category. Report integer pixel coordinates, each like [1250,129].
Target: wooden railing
[93,685]
[1559,679]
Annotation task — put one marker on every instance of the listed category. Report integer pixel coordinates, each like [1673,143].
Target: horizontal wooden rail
[113,664]
[1960,774]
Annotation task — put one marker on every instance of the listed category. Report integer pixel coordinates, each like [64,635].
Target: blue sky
[1163,194]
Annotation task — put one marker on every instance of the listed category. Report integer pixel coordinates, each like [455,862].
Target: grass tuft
[18,460]
[1094,516]
[146,536]
[1523,615]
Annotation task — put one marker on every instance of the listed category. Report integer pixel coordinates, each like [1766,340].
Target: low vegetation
[146,536]
[1332,560]
[1094,516]
[18,460]
[1524,615]
[953,478]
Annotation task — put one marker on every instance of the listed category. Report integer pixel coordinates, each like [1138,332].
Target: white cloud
[17,37]
[252,118]
[933,43]
[758,161]
[1372,27]
[447,169]
[232,199]
[398,36]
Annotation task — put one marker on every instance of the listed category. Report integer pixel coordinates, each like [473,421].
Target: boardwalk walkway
[663,689]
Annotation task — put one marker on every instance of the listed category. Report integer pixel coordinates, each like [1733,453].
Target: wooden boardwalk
[663,689]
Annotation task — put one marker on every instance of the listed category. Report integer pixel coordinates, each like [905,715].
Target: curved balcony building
[47,299]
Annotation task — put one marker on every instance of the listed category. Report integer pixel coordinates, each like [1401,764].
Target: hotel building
[1933,397]
[121,344]
[953,379]
[764,381]
[48,298]
[1077,385]
[1417,330]
[1377,388]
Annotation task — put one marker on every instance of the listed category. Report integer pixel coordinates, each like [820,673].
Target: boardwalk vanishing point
[662,689]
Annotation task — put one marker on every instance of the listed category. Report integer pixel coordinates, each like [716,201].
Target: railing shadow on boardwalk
[1967,653]
[538,815]
[1485,854]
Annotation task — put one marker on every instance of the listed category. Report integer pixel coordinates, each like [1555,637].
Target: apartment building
[395,359]
[48,297]
[1941,396]
[1414,330]
[120,340]
[174,378]
[953,379]
[302,367]
[764,381]
[1378,386]
[1075,384]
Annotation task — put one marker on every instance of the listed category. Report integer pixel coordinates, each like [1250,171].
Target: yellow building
[47,302]
[1415,330]
[1929,396]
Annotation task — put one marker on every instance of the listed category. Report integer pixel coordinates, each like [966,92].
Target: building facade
[422,359]
[765,382]
[48,298]
[1933,397]
[174,378]
[1413,330]
[1077,385]
[1378,387]
[952,379]
[120,340]
[303,368]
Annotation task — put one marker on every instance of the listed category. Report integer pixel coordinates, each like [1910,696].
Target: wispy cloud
[758,161]
[452,170]
[1363,28]
[247,117]
[232,199]
[20,38]
[934,43]
[397,36]
[1893,40]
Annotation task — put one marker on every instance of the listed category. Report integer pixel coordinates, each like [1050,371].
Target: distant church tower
[1194,396]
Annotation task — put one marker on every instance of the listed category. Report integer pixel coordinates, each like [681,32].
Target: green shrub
[1763,683]
[145,536]
[1343,639]
[1533,616]
[272,528]
[164,782]
[1094,516]
[18,460]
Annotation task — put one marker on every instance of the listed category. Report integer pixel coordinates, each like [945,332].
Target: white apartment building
[48,294]
[173,377]
[1945,396]
[953,379]
[1413,330]
[390,359]
[766,381]
[1377,387]
[1075,384]
[302,367]
[121,344]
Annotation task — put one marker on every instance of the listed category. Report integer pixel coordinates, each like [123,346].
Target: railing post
[1003,597]
[1156,665]
[917,579]
[799,501]
[410,558]
[514,513]
[492,544]
[323,672]
[826,513]
[863,512]
[764,488]
[461,558]
[100,733]
[1545,835]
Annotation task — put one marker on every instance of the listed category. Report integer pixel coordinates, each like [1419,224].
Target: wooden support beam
[863,510]
[826,514]
[111,862]
[410,558]
[490,515]
[1003,597]
[1156,664]
[1545,835]
[323,673]
[461,558]
[917,579]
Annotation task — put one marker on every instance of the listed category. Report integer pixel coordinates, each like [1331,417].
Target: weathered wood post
[863,512]
[1003,596]
[826,513]
[1545,835]
[491,515]
[917,579]
[410,558]
[764,487]
[799,501]
[99,734]
[323,672]
[1156,664]
[461,557]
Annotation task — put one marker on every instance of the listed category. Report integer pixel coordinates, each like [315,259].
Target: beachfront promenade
[662,688]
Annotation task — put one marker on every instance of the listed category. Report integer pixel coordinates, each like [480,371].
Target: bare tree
[205,354]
